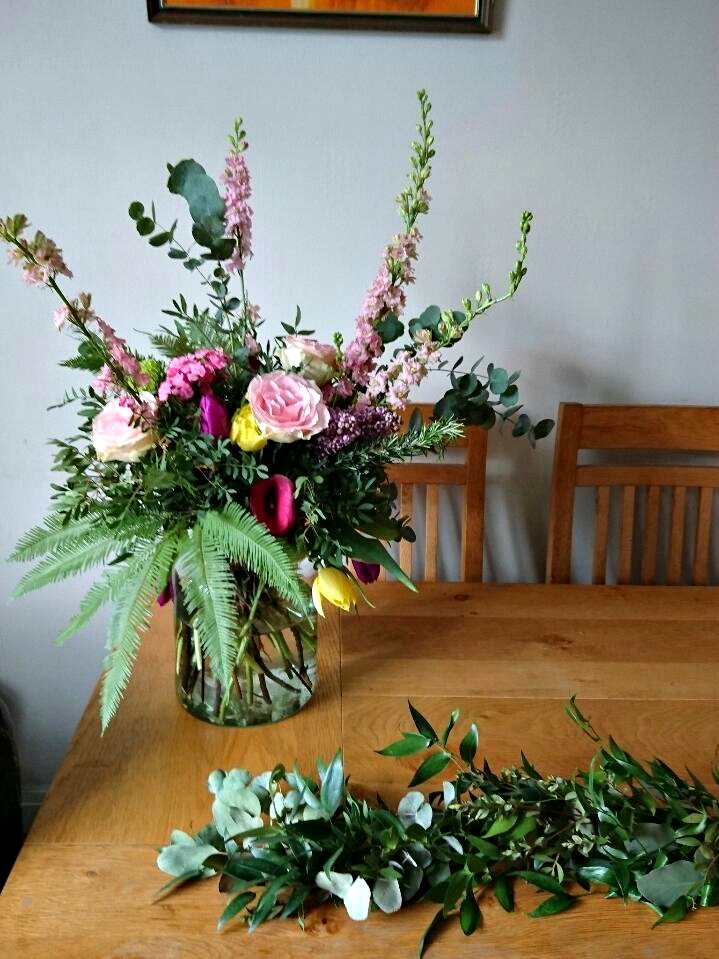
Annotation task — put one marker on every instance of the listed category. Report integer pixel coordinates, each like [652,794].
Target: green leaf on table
[432,766]
[178,881]
[333,785]
[675,913]
[500,825]
[504,892]
[470,915]
[649,836]
[539,879]
[424,728]
[468,745]
[233,907]
[553,905]
[665,885]
[454,716]
[429,933]
[409,745]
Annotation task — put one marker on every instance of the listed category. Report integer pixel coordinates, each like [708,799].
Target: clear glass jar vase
[276,671]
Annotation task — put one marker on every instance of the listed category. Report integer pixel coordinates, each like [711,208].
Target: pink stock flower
[287,407]
[104,382]
[117,348]
[272,502]
[385,295]
[61,316]
[404,371]
[48,263]
[193,369]
[238,213]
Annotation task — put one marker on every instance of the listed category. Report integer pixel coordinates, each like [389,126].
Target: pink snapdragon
[238,212]
[193,369]
[385,295]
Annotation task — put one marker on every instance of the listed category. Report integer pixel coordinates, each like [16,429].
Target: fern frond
[210,588]
[144,577]
[99,593]
[69,559]
[41,539]
[247,542]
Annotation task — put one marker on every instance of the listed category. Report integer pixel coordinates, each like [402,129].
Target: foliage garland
[282,843]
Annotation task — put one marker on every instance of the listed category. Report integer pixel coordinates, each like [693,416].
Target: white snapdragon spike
[337,883]
[357,900]
[414,808]
[386,894]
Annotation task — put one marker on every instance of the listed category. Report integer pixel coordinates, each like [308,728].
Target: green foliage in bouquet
[225,459]
[283,843]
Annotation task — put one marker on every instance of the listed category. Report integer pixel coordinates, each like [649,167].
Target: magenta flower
[167,595]
[213,415]
[272,502]
[366,572]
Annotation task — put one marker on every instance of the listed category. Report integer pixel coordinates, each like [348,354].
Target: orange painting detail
[414,8]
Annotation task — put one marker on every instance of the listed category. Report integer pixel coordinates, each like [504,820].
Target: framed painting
[424,15]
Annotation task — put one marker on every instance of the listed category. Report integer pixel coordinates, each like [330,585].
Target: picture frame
[432,16]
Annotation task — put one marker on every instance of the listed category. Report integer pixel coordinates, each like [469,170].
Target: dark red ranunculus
[272,502]
[213,416]
[366,572]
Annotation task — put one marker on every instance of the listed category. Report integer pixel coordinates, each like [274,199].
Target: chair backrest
[469,474]
[672,429]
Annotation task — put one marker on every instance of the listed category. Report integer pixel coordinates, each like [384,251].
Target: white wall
[601,117]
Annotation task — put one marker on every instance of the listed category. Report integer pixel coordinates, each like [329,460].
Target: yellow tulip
[336,587]
[245,432]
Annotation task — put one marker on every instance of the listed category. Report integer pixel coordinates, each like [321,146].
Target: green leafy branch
[638,831]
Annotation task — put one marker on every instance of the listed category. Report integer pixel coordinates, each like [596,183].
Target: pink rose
[315,361]
[287,407]
[122,430]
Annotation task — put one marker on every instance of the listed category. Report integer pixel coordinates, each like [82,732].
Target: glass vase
[275,671]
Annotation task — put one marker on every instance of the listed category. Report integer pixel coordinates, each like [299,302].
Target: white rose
[315,361]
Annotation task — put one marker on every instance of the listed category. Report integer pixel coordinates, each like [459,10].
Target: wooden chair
[666,428]
[471,475]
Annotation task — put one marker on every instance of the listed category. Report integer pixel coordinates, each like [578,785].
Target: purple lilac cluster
[356,424]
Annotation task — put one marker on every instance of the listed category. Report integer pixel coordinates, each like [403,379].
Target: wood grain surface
[644,662]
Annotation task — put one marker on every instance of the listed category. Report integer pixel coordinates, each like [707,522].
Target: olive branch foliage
[282,843]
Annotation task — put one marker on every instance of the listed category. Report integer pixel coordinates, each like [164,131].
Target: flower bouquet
[213,473]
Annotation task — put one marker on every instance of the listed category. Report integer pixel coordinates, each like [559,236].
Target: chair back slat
[412,477]
[626,535]
[644,528]
[431,533]
[700,570]
[601,535]
[651,536]
[405,507]
[676,535]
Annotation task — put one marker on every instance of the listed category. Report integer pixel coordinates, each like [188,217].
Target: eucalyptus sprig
[282,843]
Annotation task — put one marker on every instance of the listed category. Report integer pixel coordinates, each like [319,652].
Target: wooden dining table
[643,663]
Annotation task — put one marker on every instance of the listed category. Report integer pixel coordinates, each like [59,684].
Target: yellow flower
[335,586]
[245,432]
